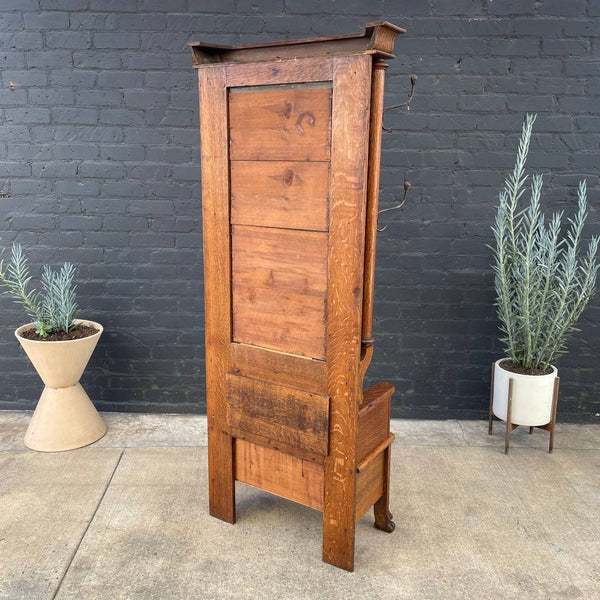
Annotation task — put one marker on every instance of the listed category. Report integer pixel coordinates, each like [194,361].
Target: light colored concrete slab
[567,435]
[134,430]
[13,425]
[471,523]
[47,502]
[489,523]
[570,509]
[413,432]
[124,430]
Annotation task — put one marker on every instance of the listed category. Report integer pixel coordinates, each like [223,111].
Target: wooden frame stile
[349,152]
[217,296]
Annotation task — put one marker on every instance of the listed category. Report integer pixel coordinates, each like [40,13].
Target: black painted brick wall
[99,165]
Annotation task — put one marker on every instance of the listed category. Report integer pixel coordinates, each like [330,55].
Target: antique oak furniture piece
[291,141]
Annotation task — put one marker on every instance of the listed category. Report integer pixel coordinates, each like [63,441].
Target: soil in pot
[513,367]
[79,332]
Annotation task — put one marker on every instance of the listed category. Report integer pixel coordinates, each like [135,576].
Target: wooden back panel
[279,152]
[285,195]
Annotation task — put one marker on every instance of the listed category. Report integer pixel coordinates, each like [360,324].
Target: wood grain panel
[280,413]
[280,124]
[266,442]
[279,289]
[373,419]
[215,214]
[285,322]
[280,194]
[270,365]
[279,473]
[285,260]
[369,486]
[350,122]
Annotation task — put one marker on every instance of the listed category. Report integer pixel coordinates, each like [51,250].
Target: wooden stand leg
[509,426]
[383,516]
[221,480]
[553,422]
[491,422]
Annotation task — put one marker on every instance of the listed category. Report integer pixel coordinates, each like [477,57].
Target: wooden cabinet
[291,138]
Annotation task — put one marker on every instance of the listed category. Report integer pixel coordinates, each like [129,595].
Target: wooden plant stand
[510,426]
[291,140]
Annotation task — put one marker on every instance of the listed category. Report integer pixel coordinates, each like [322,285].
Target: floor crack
[74,554]
[462,433]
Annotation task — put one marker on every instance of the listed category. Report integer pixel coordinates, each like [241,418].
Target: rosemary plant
[543,283]
[51,310]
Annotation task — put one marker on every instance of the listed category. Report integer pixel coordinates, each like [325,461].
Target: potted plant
[543,284]
[59,346]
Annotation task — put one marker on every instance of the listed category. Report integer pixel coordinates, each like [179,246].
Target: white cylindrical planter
[532,396]
[65,417]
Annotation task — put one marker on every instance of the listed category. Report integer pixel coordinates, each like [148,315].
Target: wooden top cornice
[378,39]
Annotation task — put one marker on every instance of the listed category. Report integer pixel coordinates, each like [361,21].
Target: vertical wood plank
[215,214]
[350,126]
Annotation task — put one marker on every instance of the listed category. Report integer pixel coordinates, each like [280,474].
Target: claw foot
[388,526]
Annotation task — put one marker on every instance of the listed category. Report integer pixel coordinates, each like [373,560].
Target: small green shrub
[52,309]
[542,282]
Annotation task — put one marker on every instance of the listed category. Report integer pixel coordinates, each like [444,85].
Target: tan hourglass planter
[65,417]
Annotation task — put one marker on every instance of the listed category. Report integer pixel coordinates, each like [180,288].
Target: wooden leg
[491,422]
[530,430]
[508,415]
[553,422]
[221,478]
[339,523]
[383,516]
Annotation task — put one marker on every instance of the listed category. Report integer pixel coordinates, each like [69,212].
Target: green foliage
[51,310]
[543,283]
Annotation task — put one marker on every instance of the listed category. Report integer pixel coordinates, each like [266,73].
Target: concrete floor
[127,518]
